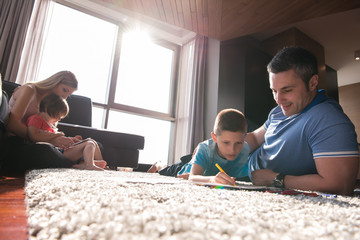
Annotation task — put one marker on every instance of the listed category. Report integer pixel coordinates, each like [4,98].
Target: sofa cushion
[4,113]
[4,110]
[9,87]
[80,110]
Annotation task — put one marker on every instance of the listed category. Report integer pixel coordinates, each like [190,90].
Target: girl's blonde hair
[62,77]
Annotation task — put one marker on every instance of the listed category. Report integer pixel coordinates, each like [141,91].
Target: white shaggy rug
[80,204]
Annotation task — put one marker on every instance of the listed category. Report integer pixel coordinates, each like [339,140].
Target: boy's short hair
[54,105]
[230,120]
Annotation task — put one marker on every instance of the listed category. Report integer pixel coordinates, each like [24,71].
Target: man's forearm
[315,182]
[339,183]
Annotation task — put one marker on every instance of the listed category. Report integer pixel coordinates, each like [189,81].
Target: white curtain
[35,36]
[190,112]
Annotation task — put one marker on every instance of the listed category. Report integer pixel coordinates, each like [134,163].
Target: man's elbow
[349,182]
[348,188]
[345,187]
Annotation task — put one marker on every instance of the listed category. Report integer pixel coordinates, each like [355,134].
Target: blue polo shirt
[292,143]
[206,156]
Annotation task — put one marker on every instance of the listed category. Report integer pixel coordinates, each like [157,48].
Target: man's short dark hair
[301,60]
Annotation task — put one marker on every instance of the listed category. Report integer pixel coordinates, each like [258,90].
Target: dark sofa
[4,108]
[118,149]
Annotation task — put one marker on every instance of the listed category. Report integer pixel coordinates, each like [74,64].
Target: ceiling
[335,24]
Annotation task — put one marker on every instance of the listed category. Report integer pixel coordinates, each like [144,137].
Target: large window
[130,77]
[83,44]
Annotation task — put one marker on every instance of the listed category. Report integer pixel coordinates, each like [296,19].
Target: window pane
[156,133]
[83,44]
[97,117]
[144,77]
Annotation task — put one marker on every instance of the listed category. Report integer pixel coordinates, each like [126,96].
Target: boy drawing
[227,148]
[51,110]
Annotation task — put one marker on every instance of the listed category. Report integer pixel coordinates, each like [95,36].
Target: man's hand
[263,177]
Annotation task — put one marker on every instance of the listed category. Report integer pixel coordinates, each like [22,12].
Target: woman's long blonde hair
[62,77]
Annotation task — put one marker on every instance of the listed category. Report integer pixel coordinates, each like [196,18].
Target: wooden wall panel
[162,11]
[201,21]
[168,11]
[174,11]
[294,37]
[180,12]
[187,15]
[349,99]
[214,16]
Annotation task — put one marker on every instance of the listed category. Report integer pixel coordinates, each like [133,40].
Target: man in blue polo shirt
[307,142]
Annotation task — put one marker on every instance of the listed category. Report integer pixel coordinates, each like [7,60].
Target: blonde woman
[20,153]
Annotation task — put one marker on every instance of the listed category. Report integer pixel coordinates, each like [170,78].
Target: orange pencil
[221,170]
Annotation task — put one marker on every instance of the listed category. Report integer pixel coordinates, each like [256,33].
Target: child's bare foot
[80,165]
[93,167]
[152,169]
[156,167]
[83,166]
[100,163]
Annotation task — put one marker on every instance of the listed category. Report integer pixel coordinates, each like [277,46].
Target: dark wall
[258,96]
[332,83]
[231,89]
[243,80]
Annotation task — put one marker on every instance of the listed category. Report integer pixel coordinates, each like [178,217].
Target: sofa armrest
[118,149]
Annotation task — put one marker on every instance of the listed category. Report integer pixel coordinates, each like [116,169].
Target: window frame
[112,105]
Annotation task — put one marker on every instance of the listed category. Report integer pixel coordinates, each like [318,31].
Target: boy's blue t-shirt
[206,156]
[292,143]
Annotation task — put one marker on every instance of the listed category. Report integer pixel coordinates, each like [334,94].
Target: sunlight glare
[153,82]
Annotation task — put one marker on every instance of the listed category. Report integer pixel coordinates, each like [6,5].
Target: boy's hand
[223,178]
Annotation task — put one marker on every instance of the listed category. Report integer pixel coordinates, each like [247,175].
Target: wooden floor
[13,220]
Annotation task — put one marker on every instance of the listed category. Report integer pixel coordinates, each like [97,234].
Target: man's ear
[213,136]
[314,82]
